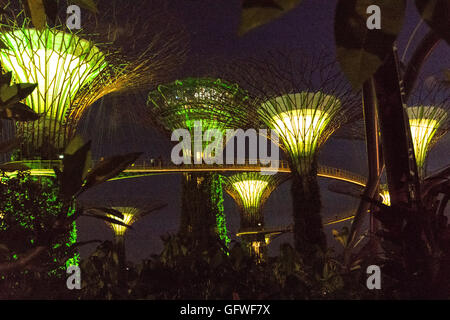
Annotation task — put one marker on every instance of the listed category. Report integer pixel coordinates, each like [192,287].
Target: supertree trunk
[198,221]
[309,236]
[119,249]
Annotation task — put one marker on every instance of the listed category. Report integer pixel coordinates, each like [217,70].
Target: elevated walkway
[148,168]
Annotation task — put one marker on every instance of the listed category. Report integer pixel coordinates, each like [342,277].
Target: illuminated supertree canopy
[428,124]
[250,190]
[61,64]
[72,72]
[385,196]
[428,114]
[194,102]
[189,104]
[303,122]
[304,100]
[130,215]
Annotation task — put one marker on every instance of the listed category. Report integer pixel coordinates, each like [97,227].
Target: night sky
[212,29]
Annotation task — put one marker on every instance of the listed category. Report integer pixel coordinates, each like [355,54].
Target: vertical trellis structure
[199,105]
[250,191]
[305,100]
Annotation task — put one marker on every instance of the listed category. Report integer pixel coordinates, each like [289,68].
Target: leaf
[83,243]
[13,94]
[87,4]
[446,80]
[154,207]
[258,12]
[76,163]
[4,248]
[51,10]
[9,145]
[436,14]
[107,219]
[37,12]
[18,112]
[74,145]
[5,79]
[361,51]
[109,168]
[106,211]
[260,4]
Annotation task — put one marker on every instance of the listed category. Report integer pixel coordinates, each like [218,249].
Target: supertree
[250,191]
[121,214]
[198,105]
[74,69]
[429,120]
[304,100]
[130,216]
[428,116]
[61,64]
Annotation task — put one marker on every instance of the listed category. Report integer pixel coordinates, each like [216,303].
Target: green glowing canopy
[215,103]
[212,104]
[60,63]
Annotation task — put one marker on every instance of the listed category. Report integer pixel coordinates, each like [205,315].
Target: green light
[61,64]
[218,208]
[213,103]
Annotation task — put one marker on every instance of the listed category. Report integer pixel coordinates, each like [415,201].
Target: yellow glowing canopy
[60,63]
[128,218]
[250,192]
[300,119]
[424,121]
